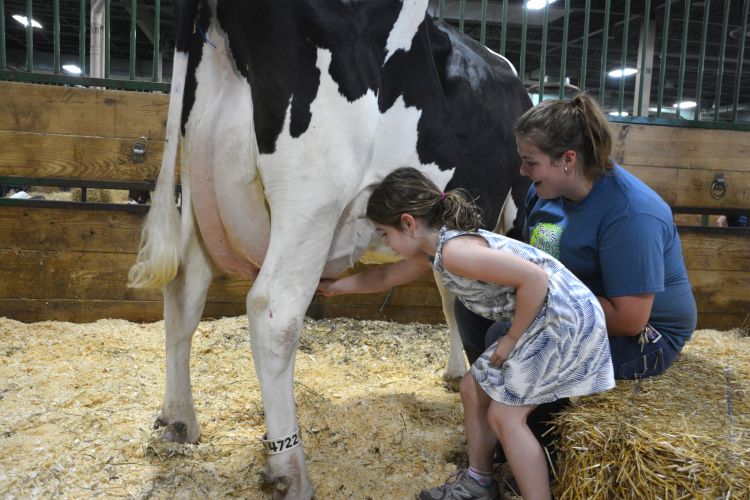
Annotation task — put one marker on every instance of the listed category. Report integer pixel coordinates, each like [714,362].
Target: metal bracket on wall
[718,187]
[139,151]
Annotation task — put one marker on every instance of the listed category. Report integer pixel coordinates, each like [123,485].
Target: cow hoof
[278,486]
[174,432]
[452,383]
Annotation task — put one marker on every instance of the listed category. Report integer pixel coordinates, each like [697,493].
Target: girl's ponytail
[457,211]
[407,191]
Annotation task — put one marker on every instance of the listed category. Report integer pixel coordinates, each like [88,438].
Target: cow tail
[159,254]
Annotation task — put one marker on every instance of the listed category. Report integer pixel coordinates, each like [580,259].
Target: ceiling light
[619,73]
[538,4]
[22,20]
[685,104]
[72,69]
[618,113]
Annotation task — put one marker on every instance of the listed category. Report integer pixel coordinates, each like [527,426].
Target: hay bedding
[77,403]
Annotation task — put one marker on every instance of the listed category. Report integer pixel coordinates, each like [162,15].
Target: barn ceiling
[120,40]
[42,12]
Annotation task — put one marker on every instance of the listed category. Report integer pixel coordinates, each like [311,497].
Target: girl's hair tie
[442,196]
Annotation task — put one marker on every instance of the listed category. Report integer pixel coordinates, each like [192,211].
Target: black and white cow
[289,110]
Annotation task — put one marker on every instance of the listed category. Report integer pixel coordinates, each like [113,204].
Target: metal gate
[668,62]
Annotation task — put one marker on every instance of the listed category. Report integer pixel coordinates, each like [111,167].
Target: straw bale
[685,434]
[96,195]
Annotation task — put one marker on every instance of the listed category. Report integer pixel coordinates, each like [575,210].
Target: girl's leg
[476,482]
[479,436]
[524,453]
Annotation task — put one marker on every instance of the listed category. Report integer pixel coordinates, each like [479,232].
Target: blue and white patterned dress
[565,351]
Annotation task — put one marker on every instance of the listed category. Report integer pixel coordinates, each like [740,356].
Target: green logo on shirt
[546,236]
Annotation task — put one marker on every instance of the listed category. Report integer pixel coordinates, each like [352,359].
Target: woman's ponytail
[597,137]
[556,126]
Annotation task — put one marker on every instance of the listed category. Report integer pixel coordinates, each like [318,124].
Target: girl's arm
[376,279]
[472,258]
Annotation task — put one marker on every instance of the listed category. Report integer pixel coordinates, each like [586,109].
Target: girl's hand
[504,346]
[326,287]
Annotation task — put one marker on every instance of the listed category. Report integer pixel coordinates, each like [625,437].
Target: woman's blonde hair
[407,191]
[579,125]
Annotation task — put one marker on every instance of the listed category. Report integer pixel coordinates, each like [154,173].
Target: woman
[614,232]
[611,230]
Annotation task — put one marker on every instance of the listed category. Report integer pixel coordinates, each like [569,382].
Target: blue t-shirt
[620,240]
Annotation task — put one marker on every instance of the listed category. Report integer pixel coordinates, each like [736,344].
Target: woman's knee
[472,329]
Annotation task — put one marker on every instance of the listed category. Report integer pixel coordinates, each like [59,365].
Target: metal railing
[85,59]
[682,61]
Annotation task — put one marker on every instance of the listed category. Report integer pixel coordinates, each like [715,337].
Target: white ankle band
[282,445]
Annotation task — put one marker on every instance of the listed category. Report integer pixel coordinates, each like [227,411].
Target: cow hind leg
[184,300]
[274,337]
[276,306]
[456,366]
[274,333]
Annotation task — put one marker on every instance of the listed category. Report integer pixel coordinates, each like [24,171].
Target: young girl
[556,346]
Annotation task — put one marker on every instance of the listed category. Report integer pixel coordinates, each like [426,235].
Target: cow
[289,111]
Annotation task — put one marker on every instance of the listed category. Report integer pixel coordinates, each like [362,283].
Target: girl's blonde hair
[407,191]
[579,125]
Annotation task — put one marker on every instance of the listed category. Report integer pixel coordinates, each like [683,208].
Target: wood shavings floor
[77,404]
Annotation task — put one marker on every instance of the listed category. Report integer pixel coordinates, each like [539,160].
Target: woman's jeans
[634,359]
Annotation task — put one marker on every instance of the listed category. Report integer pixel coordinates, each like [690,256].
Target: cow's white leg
[184,300]
[456,367]
[275,317]
[276,306]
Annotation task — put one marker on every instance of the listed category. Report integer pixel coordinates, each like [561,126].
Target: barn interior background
[83,99]
[680,110]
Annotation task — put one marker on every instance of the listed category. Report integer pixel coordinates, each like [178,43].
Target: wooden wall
[680,164]
[69,262]
[73,133]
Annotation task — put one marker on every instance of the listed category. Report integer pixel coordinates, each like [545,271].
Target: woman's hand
[326,287]
[504,346]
